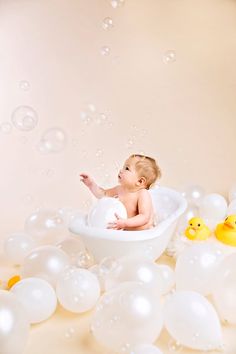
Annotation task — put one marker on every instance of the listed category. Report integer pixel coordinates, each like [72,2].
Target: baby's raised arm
[97,191]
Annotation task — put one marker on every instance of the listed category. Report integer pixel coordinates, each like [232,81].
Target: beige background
[183,113]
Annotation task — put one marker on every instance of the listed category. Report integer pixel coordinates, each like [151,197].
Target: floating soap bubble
[5,128]
[24,118]
[91,107]
[70,332]
[174,347]
[169,57]
[73,248]
[117,3]
[24,85]
[52,141]
[17,246]
[85,117]
[194,194]
[105,51]
[107,23]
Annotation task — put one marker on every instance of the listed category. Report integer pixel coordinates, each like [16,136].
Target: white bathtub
[168,205]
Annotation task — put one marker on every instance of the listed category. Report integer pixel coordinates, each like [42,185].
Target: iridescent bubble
[5,128]
[24,118]
[117,3]
[107,23]
[169,57]
[24,85]
[105,51]
[53,140]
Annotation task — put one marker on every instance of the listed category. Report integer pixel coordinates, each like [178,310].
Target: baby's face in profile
[128,176]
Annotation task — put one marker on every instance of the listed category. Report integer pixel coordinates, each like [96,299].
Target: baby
[135,178]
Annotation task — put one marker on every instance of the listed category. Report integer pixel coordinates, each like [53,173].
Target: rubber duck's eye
[226,219]
[198,224]
[191,224]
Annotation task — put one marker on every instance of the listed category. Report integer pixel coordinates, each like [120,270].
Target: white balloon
[195,267]
[45,262]
[146,349]
[194,194]
[14,324]
[213,206]
[192,321]
[136,269]
[128,315]
[78,290]
[224,291]
[232,207]
[46,226]
[104,212]
[37,297]
[232,192]
[17,246]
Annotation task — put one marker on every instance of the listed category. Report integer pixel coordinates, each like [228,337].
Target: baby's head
[146,168]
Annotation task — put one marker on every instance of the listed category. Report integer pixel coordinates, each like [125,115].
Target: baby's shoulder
[143,193]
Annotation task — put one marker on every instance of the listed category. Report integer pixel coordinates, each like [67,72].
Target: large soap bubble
[128,315]
[38,298]
[224,290]
[77,290]
[104,212]
[24,118]
[45,262]
[45,225]
[53,141]
[192,321]
[17,246]
[195,267]
[213,206]
[193,194]
[14,324]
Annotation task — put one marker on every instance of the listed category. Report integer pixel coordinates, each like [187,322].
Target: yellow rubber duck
[197,230]
[226,232]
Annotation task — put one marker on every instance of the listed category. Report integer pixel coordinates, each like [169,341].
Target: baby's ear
[142,182]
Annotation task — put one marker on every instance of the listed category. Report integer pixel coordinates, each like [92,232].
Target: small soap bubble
[85,259]
[105,51]
[52,141]
[99,153]
[27,199]
[91,107]
[5,128]
[174,347]
[24,85]
[69,333]
[85,117]
[117,3]
[169,57]
[24,118]
[107,23]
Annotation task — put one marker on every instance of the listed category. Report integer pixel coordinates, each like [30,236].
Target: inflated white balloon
[195,267]
[78,290]
[136,269]
[213,206]
[104,212]
[232,192]
[14,324]
[146,349]
[232,207]
[37,297]
[224,290]
[46,226]
[17,246]
[168,277]
[45,262]
[72,246]
[194,194]
[192,321]
[128,315]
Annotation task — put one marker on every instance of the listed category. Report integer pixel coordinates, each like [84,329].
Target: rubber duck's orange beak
[228,225]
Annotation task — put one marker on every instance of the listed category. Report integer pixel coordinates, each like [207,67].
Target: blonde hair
[147,167]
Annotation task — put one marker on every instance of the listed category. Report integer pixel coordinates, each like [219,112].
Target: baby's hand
[119,224]
[86,179]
